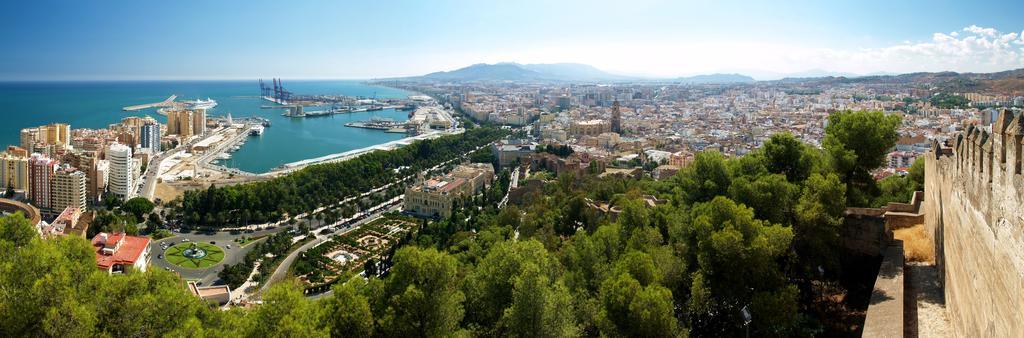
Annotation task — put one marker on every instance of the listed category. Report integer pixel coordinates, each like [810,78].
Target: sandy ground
[167,191]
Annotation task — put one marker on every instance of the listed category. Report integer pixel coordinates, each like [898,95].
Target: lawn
[175,255]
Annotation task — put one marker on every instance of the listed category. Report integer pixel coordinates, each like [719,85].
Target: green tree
[17,230]
[901,188]
[633,310]
[489,289]
[540,307]
[111,201]
[857,143]
[285,312]
[785,154]
[348,312]
[423,293]
[819,214]
[735,255]
[771,196]
[703,179]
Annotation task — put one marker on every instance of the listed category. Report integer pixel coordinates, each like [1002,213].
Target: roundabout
[194,255]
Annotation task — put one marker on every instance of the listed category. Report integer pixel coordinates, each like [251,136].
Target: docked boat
[256,130]
[200,104]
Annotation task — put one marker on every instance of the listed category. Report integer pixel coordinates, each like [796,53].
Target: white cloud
[973,49]
[981,31]
[978,50]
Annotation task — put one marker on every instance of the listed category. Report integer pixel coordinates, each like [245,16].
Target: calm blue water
[97,104]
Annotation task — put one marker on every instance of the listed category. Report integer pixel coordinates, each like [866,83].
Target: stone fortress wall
[974,211]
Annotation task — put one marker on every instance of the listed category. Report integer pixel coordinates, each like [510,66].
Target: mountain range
[1008,82]
[557,72]
[507,71]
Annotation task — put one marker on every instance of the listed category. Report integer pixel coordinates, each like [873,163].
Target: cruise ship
[200,104]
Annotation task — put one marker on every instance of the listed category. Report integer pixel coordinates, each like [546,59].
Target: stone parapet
[974,210]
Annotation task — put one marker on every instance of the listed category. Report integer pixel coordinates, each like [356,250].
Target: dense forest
[322,184]
[692,255]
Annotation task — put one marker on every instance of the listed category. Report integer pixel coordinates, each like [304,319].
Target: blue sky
[364,39]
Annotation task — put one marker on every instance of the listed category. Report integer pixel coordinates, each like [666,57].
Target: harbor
[386,125]
[165,103]
[287,140]
[295,104]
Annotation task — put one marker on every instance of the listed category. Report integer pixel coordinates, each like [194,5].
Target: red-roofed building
[120,253]
[66,221]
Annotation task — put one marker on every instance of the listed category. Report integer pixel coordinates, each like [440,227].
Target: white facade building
[121,172]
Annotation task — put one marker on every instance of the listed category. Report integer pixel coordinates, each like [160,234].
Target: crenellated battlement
[974,211]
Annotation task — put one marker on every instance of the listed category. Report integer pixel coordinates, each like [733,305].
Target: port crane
[277,91]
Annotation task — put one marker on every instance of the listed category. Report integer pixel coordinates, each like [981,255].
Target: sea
[85,104]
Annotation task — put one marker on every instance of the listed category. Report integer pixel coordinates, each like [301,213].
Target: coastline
[288,168]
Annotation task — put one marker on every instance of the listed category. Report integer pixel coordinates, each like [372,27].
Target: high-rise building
[186,123]
[180,122]
[616,117]
[68,189]
[40,175]
[56,134]
[13,171]
[199,122]
[172,122]
[149,137]
[122,167]
[564,102]
[29,137]
[87,162]
[129,130]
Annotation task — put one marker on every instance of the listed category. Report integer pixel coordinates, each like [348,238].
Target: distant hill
[499,72]
[576,71]
[486,72]
[716,78]
[1009,82]
[558,72]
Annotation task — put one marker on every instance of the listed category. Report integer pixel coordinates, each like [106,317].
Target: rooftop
[118,248]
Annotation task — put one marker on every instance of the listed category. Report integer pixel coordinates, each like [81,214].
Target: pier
[378,124]
[276,100]
[165,103]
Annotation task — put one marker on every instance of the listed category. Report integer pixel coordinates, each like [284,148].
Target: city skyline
[328,40]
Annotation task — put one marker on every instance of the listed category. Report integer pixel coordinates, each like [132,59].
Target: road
[208,276]
[282,269]
[393,204]
[148,187]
